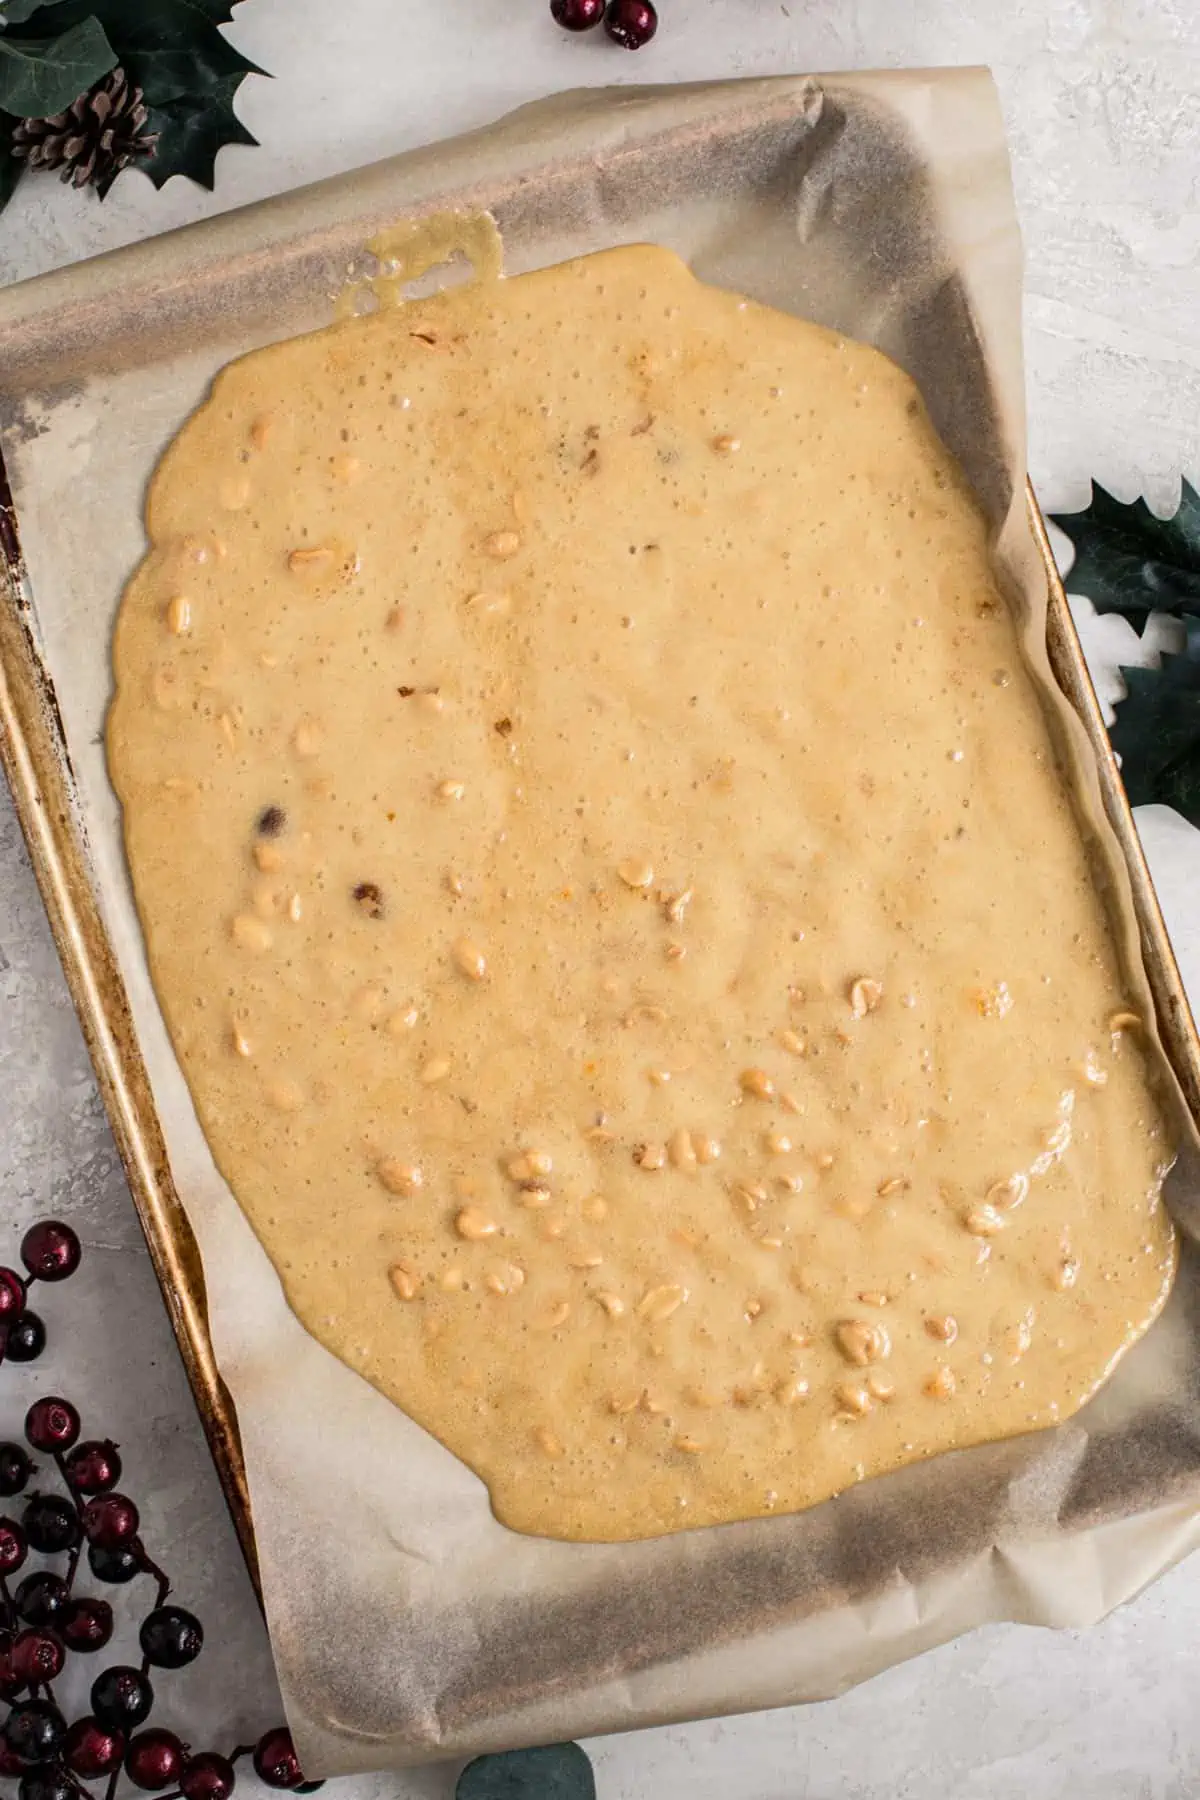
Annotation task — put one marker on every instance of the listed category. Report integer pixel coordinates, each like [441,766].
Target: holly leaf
[169,48]
[11,167]
[16,12]
[1157,730]
[1128,561]
[190,131]
[172,48]
[41,76]
[555,1772]
[217,12]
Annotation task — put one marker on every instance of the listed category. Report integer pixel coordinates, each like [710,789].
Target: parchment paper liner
[406,1622]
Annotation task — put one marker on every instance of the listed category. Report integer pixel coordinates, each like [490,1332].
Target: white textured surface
[1102,99]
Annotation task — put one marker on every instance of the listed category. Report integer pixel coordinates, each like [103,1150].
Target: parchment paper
[407,1623]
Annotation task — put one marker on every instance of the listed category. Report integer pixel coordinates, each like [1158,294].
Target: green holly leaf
[168,47]
[555,1772]
[190,132]
[41,76]
[1127,561]
[15,12]
[1157,730]
[217,12]
[188,72]
[173,48]
[11,167]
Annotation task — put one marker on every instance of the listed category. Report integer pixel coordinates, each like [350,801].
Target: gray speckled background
[1101,98]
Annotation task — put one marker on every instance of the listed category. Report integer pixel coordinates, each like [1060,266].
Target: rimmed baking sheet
[880,205]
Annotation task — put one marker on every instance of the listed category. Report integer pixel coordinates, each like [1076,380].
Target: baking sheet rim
[36,764]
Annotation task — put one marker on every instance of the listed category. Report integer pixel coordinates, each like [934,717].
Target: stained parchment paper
[407,1624]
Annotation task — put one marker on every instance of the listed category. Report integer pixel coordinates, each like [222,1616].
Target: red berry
[35,1730]
[42,1598]
[13,1547]
[92,1467]
[275,1759]
[12,1294]
[93,1750]
[46,1781]
[154,1759]
[116,1565]
[207,1777]
[577,15]
[38,1657]
[122,1698]
[15,1469]
[50,1250]
[630,23]
[87,1624]
[51,1424]
[51,1524]
[10,1682]
[26,1337]
[110,1521]
[171,1637]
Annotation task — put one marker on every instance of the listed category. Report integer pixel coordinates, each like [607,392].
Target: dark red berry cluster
[630,23]
[44,1618]
[50,1252]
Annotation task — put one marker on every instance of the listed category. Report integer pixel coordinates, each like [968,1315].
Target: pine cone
[94,139]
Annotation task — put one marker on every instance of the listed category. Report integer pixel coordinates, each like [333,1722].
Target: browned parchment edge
[36,762]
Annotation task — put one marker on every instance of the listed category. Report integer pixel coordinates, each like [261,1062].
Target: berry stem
[152,1568]
[60,1463]
[9,1617]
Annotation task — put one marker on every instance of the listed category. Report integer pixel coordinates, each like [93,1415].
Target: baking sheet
[406,1622]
